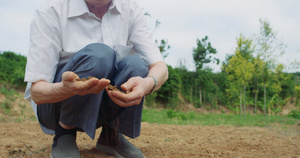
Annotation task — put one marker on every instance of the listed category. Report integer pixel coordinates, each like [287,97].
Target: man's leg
[126,120]
[130,118]
[96,60]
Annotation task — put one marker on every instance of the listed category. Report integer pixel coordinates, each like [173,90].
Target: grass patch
[192,118]
[6,105]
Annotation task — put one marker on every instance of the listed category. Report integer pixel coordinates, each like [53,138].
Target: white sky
[182,22]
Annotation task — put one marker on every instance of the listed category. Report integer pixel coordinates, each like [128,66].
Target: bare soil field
[27,140]
[21,136]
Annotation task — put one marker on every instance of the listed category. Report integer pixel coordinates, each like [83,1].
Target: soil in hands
[110,87]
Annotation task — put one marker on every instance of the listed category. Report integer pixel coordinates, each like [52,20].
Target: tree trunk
[203,97]
[217,105]
[269,110]
[265,100]
[256,93]
[245,101]
[191,96]
[278,104]
[241,104]
[200,95]
[195,96]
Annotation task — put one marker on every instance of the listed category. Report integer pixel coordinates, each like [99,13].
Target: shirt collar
[115,4]
[79,7]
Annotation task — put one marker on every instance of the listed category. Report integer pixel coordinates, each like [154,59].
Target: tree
[220,79]
[163,47]
[269,48]
[257,72]
[226,62]
[279,80]
[203,80]
[240,69]
[203,53]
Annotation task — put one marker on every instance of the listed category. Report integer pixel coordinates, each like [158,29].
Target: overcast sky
[182,22]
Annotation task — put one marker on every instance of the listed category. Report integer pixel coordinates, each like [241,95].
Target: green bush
[294,114]
[168,93]
[12,69]
[150,99]
[171,113]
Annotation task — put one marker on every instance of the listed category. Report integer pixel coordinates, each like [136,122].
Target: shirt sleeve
[44,48]
[141,37]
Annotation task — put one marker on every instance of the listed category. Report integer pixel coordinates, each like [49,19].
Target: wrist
[154,80]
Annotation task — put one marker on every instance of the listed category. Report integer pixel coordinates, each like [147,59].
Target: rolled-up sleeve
[45,47]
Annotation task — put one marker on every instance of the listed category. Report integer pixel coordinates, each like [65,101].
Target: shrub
[12,69]
[294,114]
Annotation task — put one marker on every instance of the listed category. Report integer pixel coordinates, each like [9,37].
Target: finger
[128,85]
[85,85]
[69,76]
[129,97]
[123,103]
[100,86]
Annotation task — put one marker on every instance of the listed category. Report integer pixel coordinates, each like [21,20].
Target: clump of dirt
[110,87]
[114,88]
[84,79]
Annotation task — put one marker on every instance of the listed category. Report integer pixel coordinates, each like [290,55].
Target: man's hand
[74,85]
[136,86]
[44,92]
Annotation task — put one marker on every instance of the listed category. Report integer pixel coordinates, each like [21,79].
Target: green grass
[6,105]
[192,118]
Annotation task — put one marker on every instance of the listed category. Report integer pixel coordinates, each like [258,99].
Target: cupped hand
[136,88]
[72,83]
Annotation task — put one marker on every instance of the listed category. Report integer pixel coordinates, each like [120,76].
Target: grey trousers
[91,111]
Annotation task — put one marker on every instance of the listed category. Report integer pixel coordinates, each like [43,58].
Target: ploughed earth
[22,137]
[27,140]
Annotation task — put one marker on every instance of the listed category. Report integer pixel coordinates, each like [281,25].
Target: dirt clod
[84,79]
[114,88]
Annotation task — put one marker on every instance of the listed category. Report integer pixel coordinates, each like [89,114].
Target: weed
[8,92]
[18,120]
[171,113]
[183,117]
[42,150]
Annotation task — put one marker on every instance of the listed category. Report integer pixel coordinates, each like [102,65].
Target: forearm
[44,92]
[160,71]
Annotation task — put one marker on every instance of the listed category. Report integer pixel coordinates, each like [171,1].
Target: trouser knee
[135,64]
[95,59]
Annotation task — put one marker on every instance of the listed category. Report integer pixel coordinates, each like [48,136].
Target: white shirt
[61,28]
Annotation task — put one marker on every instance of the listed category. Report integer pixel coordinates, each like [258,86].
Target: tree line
[250,79]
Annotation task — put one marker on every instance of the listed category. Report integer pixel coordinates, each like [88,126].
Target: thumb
[69,76]
[128,85]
